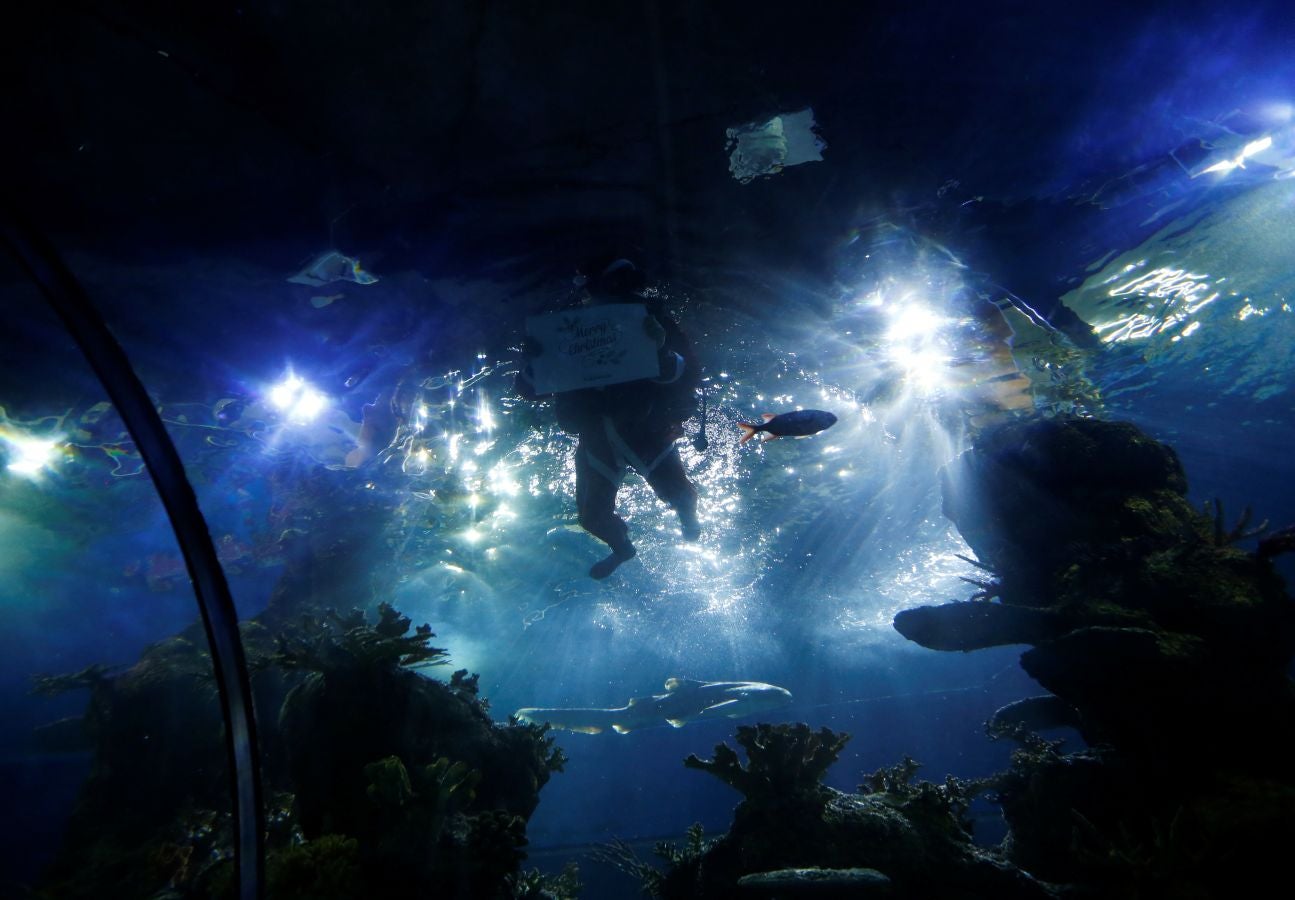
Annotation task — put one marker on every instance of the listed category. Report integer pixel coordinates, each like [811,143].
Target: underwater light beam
[31,455]
[1239,161]
[298,400]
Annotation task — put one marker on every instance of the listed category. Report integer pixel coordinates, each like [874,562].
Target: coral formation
[1165,644]
[378,776]
[792,835]
[785,764]
[1161,641]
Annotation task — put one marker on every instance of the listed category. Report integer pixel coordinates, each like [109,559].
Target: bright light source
[1239,162]
[284,394]
[310,404]
[29,455]
[910,323]
[300,401]
[914,346]
[923,367]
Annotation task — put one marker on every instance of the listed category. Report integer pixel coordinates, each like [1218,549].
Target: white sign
[591,347]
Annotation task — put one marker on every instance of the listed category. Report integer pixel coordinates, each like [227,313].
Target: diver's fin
[748,431]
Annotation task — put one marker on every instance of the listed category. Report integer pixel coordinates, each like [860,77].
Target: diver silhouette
[634,424]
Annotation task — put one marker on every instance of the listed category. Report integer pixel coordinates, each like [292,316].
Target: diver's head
[618,282]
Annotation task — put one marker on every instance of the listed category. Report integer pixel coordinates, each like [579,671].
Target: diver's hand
[654,330]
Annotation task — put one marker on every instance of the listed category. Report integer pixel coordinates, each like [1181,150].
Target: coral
[799,835]
[409,812]
[1164,643]
[495,840]
[327,868]
[934,806]
[1277,543]
[784,762]
[335,642]
[468,687]
[382,776]
[532,738]
[679,859]
[534,885]
[1224,537]
[89,677]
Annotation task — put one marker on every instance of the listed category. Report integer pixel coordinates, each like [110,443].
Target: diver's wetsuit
[631,425]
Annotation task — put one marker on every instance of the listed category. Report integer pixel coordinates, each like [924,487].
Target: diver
[634,424]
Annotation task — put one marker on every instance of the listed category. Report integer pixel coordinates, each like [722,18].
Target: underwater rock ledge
[1162,642]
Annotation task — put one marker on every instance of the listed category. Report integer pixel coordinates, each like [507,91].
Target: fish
[801,423]
[332,266]
[685,700]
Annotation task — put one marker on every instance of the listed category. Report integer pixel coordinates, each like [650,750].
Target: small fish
[801,423]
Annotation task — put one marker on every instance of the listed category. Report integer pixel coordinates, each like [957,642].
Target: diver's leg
[670,482]
[596,503]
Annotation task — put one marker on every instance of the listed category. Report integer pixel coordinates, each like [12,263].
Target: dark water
[1004,189]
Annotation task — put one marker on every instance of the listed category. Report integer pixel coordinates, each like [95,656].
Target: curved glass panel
[112,721]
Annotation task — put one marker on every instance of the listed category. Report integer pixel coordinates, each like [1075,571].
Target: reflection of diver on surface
[630,425]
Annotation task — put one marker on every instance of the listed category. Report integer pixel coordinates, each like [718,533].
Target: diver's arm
[523,383]
[671,363]
[672,367]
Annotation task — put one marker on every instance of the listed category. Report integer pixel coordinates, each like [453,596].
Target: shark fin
[766,417]
[723,703]
[585,729]
[677,723]
[620,729]
[674,684]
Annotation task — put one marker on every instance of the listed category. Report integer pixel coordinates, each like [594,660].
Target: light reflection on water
[838,531]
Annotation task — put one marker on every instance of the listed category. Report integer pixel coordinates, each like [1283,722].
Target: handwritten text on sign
[591,347]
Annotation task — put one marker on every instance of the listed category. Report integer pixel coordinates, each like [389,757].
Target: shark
[684,700]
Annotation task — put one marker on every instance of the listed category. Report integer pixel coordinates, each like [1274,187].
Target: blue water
[809,547]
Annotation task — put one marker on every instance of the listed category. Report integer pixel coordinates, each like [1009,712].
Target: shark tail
[748,431]
[584,721]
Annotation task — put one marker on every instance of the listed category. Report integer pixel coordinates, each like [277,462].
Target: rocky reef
[1162,642]
[380,782]
[793,836]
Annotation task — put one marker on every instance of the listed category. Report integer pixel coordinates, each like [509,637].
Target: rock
[816,883]
[976,625]
[1035,714]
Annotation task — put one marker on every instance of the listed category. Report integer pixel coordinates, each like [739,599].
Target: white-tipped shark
[684,701]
